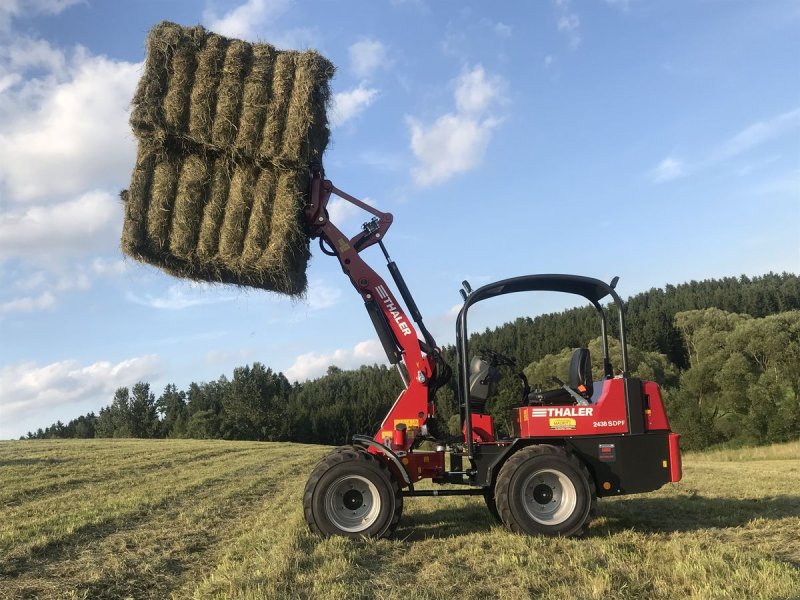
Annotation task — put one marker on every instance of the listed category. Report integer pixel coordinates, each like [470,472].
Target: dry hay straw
[226,132]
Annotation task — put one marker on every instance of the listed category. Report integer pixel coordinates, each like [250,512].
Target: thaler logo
[393,310]
[563,411]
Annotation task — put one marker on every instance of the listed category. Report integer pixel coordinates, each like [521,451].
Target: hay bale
[226,132]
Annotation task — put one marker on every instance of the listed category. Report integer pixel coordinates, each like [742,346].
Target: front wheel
[544,490]
[352,493]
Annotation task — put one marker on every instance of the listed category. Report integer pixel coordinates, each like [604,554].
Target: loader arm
[398,335]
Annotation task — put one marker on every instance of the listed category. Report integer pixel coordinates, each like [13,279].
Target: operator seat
[580,388]
[483,380]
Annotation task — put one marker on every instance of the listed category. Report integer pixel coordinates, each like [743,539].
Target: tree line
[725,352]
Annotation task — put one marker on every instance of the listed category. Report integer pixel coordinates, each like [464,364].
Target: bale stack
[226,133]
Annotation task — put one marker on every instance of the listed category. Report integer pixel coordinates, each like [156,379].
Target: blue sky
[657,141]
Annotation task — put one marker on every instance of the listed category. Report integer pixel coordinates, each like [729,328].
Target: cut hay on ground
[226,133]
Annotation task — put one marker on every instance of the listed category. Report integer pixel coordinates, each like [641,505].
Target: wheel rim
[549,496]
[352,503]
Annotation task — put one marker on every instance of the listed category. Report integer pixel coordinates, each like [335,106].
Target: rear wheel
[352,493]
[544,490]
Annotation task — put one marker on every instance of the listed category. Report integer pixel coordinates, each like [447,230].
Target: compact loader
[573,444]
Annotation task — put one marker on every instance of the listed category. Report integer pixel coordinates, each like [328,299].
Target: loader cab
[477,376]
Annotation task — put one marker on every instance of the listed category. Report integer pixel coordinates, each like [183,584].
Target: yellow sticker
[343,245]
[562,423]
[409,423]
[525,416]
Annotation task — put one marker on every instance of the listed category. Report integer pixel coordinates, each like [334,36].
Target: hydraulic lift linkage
[419,362]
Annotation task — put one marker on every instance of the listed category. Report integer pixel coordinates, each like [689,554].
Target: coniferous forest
[725,351]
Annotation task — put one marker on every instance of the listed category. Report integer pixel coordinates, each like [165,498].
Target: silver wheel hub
[549,496]
[352,503]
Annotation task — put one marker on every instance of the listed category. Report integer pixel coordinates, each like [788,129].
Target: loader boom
[418,368]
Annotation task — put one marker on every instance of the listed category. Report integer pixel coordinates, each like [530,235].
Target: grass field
[212,519]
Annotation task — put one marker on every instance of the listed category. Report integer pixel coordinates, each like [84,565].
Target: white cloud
[366,57]
[759,133]
[748,139]
[178,297]
[456,142]
[475,92]
[668,169]
[28,304]
[320,295]
[66,131]
[72,227]
[568,22]
[108,267]
[27,388]
[245,20]
[503,30]
[346,105]
[341,211]
[311,365]
[453,144]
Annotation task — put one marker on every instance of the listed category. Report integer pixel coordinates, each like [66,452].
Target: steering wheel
[501,360]
[495,358]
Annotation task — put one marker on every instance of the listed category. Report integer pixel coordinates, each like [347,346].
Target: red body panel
[675,463]
[423,465]
[605,416]
[482,428]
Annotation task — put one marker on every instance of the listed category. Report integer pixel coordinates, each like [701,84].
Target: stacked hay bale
[226,133]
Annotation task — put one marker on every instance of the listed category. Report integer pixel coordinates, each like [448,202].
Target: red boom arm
[414,405]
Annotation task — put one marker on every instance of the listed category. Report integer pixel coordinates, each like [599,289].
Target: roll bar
[592,289]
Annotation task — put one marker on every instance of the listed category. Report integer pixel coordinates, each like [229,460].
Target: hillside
[161,518]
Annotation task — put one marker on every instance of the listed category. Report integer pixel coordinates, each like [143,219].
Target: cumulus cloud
[347,105]
[27,388]
[256,20]
[366,56]
[245,20]
[456,142]
[65,131]
[311,365]
[341,211]
[72,227]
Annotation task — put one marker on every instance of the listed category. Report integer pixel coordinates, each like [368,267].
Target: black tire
[352,493]
[545,490]
[488,496]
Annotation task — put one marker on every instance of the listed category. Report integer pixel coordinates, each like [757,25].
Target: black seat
[580,387]
[580,372]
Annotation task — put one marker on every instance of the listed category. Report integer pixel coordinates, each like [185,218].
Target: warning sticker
[562,423]
[409,423]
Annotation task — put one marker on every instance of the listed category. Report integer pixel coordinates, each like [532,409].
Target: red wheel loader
[575,443]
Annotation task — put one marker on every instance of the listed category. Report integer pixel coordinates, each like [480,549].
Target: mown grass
[213,519]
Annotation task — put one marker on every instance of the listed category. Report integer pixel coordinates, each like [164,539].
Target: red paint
[656,419]
[604,417]
[675,462]
[412,404]
[482,428]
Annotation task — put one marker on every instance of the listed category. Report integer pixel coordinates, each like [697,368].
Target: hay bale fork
[572,444]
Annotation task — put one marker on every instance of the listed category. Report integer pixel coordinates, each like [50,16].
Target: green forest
[725,352]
